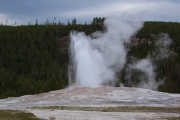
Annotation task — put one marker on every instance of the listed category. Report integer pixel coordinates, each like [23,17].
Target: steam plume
[147,67]
[97,59]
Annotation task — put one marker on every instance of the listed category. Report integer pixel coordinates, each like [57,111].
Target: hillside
[34,58]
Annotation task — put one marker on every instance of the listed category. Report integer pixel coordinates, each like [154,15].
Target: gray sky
[24,11]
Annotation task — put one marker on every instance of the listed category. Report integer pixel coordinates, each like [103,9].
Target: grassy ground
[16,115]
[174,118]
[114,109]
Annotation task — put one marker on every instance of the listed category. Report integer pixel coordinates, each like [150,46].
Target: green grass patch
[174,118]
[16,115]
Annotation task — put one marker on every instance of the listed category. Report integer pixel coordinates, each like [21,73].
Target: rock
[112,100]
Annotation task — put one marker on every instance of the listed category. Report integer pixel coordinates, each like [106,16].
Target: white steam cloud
[162,45]
[149,81]
[147,66]
[96,59]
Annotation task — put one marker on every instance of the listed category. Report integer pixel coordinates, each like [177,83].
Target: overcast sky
[24,11]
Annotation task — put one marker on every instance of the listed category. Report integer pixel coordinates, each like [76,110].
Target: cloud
[7,20]
[109,9]
[147,10]
[26,11]
[4,19]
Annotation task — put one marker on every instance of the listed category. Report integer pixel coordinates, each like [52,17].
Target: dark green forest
[34,58]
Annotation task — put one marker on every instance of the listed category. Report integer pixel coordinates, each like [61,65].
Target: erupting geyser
[96,59]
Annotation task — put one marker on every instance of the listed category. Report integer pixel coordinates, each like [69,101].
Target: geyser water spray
[96,59]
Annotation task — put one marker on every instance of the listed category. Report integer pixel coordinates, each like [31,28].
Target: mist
[148,77]
[143,71]
[96,59]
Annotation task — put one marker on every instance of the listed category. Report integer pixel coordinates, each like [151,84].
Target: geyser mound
[97,59]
